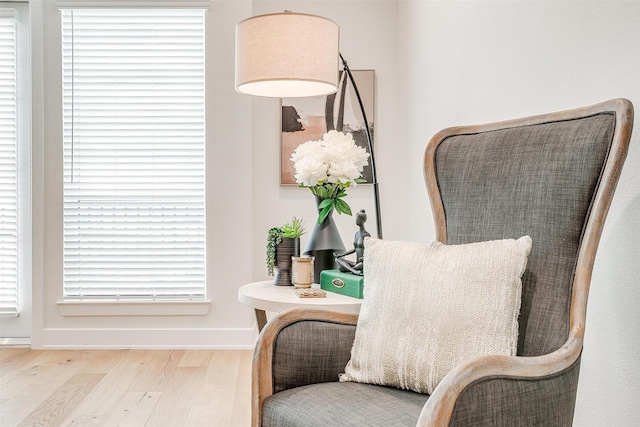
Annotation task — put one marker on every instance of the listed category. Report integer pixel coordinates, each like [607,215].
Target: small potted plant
[283,243]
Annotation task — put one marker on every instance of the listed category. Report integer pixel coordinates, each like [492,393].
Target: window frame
[113,307]
[19,12]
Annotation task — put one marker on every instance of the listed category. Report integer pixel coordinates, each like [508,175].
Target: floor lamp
[288,55]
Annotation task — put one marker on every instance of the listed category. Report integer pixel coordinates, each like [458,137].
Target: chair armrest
[298,347]
[440,408]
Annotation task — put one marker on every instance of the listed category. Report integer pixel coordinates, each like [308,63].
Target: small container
[302,271]
[342,283]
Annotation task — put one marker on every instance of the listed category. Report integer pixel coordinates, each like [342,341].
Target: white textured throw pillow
[429,307]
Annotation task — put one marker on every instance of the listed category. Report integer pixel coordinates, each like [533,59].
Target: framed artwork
[305,119]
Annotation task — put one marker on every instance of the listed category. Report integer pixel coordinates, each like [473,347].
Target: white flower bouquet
[328,167]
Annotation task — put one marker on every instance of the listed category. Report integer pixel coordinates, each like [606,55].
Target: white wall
[475,62]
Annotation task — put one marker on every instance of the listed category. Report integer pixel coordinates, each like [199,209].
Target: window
[8,162]
[133,112]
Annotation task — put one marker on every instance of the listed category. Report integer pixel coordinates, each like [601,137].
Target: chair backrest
[551,177]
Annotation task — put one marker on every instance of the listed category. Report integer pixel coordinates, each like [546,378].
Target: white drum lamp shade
[287,55]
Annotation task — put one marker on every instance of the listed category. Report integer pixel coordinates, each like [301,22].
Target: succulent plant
[290,230]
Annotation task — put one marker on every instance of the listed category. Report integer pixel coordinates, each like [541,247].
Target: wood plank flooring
[126,388]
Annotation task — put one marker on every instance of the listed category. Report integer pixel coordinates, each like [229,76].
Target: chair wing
[551,177]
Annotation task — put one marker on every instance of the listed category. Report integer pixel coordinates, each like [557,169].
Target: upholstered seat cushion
[343,404]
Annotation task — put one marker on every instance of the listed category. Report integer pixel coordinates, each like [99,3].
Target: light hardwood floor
[127,388]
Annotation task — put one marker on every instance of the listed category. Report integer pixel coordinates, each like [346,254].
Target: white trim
[131,4]
[15,342]
[133,308]
[36,21]
[73,338]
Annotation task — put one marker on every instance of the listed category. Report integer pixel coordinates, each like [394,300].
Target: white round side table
[265,296]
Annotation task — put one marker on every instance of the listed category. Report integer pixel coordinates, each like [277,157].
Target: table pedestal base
[261,317]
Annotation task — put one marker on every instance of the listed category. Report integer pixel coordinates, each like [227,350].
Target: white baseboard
[237,338]
[15,342]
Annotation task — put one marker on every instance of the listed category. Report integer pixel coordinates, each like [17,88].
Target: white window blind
[134,196]
[8,164]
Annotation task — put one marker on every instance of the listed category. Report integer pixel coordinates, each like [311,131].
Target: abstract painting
[305,119]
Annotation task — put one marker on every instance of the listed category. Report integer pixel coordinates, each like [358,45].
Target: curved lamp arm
[376,193]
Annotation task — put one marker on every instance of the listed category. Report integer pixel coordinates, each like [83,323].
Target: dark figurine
[355,267]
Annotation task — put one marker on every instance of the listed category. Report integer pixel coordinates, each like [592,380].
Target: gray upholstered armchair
[551,177]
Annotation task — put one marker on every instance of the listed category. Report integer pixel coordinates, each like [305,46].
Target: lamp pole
[374,179]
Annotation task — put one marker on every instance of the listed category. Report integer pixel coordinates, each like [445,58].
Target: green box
[342,283]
